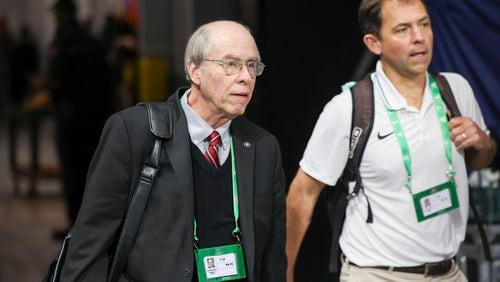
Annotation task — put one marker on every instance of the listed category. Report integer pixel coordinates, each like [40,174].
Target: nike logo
[384,136]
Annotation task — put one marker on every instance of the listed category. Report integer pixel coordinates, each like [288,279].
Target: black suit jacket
[163,249]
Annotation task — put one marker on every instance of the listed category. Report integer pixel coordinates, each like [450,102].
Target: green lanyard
[236,211]
[445,132]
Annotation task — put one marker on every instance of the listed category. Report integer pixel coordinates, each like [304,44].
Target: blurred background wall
[37,15]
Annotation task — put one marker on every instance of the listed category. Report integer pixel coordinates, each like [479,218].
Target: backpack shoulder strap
[447,94]
[160,119]
[363,113]
[451,104]
[337,197]
[363,105]
[160,122]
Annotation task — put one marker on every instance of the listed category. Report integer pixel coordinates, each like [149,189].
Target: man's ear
[372,42]
[194,73]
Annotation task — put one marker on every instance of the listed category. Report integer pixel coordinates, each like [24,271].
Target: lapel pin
[247,144]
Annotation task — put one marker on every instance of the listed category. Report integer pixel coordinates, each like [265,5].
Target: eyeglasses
[233,66]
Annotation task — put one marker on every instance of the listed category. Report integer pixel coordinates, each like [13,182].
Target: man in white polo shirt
[414,167]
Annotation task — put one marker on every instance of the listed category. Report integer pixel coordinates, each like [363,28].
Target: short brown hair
[370,16]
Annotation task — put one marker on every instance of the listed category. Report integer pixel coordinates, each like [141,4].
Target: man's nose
[418,34]
[245,74]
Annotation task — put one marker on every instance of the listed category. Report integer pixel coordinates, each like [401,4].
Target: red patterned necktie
[211,155]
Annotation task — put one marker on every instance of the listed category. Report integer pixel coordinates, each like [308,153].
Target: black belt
[428,269]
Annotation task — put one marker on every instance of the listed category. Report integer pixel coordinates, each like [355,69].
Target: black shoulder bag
[160,124]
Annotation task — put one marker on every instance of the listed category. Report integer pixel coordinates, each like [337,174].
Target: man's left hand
[465,133]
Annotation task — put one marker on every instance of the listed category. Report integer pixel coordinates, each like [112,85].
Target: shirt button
[187,273]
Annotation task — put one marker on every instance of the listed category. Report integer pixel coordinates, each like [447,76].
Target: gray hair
[200,45]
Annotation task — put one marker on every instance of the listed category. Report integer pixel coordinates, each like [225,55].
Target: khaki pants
[351,273]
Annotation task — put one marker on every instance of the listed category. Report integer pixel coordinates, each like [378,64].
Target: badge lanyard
[236,211]
[227,262]
[445,133]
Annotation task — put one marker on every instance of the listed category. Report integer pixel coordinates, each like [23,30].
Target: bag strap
[451,104]
[160,122]
[160,119]
[337,197]
[447,95]
[363,114]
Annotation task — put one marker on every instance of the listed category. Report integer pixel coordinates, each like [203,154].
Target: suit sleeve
[104,204]
[275,257]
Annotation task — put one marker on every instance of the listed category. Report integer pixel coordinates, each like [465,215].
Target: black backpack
[362,122]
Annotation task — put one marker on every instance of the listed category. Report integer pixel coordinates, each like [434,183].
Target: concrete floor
[27,223]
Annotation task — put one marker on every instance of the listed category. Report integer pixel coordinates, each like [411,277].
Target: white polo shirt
[395,238]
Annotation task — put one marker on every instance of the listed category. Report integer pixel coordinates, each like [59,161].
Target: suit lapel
[244,152]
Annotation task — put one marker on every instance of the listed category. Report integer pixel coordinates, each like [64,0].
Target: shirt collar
[198,128]
[392,98]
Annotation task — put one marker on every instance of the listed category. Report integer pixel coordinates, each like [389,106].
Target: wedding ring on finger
[464,136]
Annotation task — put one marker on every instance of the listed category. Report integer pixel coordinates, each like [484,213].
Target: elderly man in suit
[214,154]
